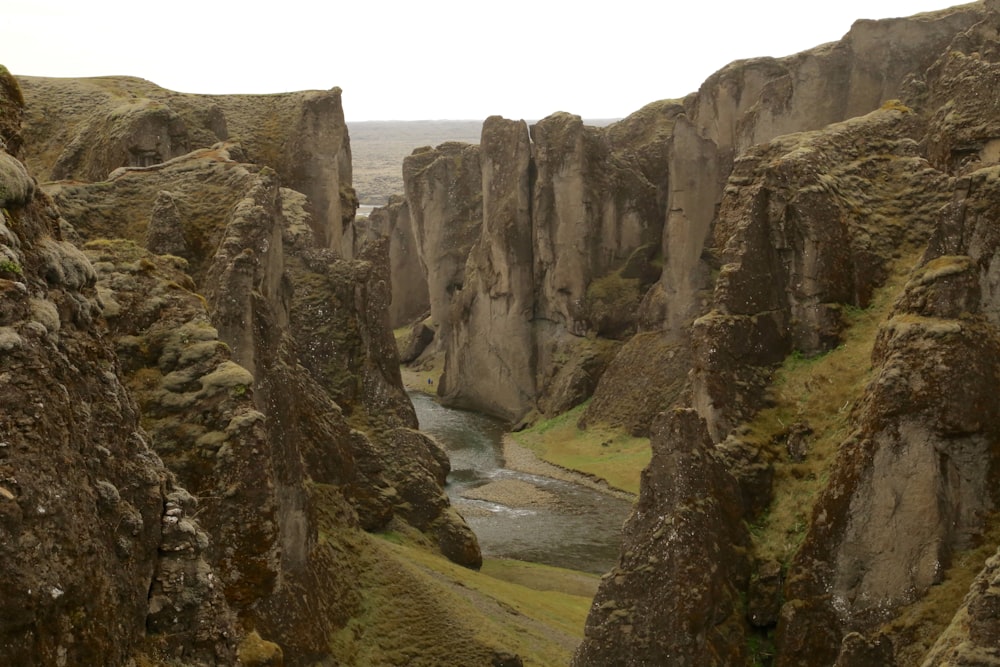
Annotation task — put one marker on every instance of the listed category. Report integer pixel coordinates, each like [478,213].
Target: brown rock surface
[805,229]
[557,254]
[410,299]
[87,128]
[973,638]
[490,315]
[90,519]
[916,482]
[748,103]
[445,200]
[277,398]
[674,597]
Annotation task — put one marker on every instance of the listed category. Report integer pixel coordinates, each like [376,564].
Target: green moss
[608,453]
[10,266]
[896,105]
[256,652]
[227,375]
[818,392]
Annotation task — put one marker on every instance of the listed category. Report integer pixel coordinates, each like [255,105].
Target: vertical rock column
[489,357]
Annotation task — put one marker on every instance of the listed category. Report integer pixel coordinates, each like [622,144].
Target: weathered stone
[973,637]
[444,194]
[165,233]
[856,651]
[674,597]
[410,297]
[894,510]
[764,595]
[98,125]
[574,210]
[497,294]
[801,241]
[421,336]
[84,496]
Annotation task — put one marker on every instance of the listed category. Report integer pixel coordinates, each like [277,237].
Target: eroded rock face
[445,200]
[491,314]
[974,634]
[808,224]
[749,103]
[197,406]
[87,128]
[806,228]
[556,256]
[916,481]
[410,298]
[688,513]
[86,510]
[276,397]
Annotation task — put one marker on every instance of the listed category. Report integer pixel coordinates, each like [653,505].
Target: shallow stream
[575,527]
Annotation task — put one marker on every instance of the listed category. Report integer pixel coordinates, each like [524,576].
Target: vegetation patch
[417,608]
[602,451]
[814,397]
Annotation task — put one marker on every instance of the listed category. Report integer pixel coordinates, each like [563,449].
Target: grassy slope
[421,609]
[820,392]
[610,454]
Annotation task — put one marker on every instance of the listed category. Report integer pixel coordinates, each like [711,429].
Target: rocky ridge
[537,245]
[789,193]
[252,433]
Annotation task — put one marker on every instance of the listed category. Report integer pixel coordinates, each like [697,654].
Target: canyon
[787,282]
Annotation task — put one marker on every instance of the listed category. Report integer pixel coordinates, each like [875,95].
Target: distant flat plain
[379,146]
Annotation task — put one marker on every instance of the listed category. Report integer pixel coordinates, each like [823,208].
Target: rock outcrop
[96,532]
[86,128]
[538,244]
[818,199]
[749,103]
[444,196]
[275,399]
[915,483]
[410,298]
[689,512]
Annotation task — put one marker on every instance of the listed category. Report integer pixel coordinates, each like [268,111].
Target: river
[576,527]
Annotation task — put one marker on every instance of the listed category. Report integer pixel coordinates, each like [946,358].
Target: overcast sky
[427,59]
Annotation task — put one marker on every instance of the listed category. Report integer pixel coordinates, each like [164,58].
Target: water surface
[580,529]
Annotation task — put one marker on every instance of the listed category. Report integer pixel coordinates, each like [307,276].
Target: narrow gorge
[783,287]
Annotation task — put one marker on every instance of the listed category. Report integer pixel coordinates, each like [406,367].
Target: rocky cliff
[97,532]
[820,316]
[836,305]
[86,128]
[225,386]
[537,245]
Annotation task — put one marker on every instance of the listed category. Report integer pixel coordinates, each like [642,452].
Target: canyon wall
[776,208]
[821,205]
[230,404]
[537,245]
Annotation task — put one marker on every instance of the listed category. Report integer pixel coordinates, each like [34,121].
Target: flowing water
[579,528]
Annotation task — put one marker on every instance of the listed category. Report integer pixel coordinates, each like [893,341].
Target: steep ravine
[788,280]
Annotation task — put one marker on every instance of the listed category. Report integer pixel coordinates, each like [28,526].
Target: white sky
[427,59]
